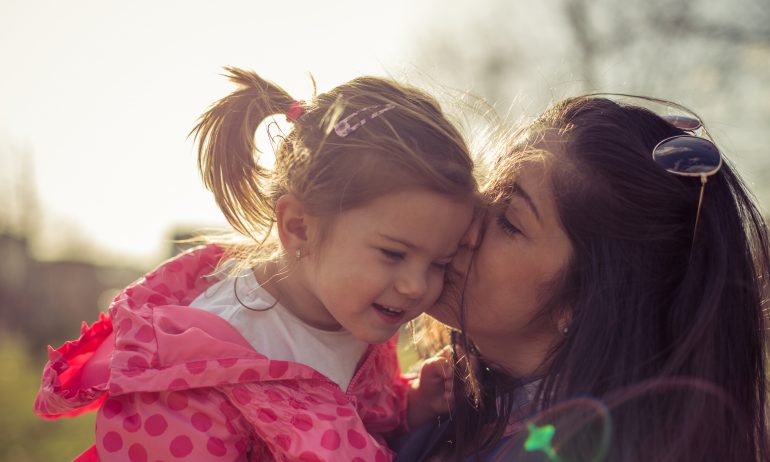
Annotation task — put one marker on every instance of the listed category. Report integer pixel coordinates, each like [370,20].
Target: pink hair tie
[296,109]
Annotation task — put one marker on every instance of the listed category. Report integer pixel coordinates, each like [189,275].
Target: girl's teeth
[389,310]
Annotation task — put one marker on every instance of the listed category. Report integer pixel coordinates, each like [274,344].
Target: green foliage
[407,353]
[24,437]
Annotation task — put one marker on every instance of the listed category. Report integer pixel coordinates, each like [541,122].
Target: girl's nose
[412,283]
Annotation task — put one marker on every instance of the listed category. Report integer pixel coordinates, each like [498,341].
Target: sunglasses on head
[688,155]
[684,155]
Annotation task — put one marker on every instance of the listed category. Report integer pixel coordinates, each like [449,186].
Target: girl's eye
[507,226]
[392,254]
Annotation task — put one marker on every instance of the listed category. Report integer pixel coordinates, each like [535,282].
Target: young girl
[283,349]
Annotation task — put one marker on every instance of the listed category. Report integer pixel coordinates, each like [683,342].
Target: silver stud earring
[565,330]
[298,253]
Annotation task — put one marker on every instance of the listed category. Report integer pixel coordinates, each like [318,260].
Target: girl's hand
[430,394]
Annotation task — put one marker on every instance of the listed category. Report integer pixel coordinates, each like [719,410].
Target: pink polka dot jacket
[171,382]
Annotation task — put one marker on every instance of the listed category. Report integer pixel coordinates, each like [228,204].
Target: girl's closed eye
[507,226]
[392,254]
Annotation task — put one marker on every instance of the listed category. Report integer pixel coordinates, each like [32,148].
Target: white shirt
[279,334]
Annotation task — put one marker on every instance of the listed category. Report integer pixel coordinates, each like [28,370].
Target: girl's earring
[298,253]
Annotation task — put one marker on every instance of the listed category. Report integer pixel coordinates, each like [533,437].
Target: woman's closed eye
[441,265]
[506,225]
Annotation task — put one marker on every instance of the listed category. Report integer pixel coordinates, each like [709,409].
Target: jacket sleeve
[75,377]
[381,399]
[78,373]
[197,424]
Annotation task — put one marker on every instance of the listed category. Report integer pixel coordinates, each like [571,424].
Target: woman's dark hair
[668,336]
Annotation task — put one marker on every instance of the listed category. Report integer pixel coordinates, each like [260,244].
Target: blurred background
[98,175]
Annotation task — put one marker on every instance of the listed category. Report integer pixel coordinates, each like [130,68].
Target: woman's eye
[440,265]
[507,226]
[392,254]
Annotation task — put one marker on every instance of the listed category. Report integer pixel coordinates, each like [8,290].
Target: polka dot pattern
[331,440]
[196,367]
[148,398]
[112,442]
[302,422]
[155,425]
[132,423]
[181,446]
[201,422]
[176,401]
[230,405]
[216,447]
[356,439]
[145,334]
[225,363]
[112,407]
[137,453]
[278,368]
[284,441]
[249,375]
[267,415]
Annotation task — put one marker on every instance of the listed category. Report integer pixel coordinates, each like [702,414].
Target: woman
[610,304]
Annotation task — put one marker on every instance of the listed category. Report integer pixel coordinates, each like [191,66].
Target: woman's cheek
[446,309]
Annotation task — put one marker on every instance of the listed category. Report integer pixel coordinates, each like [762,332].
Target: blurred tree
[45,301]
[19,211]
[711,56]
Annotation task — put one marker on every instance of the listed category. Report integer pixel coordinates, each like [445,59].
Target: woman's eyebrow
[517,190]
[403,242]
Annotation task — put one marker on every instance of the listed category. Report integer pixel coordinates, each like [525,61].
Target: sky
[98,97]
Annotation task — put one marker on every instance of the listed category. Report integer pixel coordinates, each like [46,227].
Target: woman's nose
[472,237]
[468,244]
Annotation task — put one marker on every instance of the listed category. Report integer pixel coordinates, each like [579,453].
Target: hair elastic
[296,109]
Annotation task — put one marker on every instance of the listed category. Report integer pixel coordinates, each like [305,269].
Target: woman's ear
[291,221]
[563,322]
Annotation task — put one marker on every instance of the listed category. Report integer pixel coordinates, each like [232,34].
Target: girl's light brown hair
[412,145]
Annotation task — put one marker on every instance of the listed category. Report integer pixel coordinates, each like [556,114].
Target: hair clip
[296,109]
[344,128]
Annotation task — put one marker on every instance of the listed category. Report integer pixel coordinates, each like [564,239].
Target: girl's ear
[292,222]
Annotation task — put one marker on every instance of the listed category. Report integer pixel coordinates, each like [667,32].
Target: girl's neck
[284,281]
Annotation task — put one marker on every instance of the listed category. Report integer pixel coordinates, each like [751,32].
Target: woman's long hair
[665,359]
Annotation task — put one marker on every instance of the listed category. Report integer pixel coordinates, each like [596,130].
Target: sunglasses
[688,155]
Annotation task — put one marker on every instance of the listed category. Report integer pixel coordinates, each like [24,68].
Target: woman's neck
[521,358]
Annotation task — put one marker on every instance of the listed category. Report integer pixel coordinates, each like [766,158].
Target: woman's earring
[298,253]
[565,330]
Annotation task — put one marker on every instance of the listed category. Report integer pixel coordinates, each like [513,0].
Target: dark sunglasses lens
[688,155]
[683,122]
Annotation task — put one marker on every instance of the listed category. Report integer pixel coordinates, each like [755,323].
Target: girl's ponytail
[226,151]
